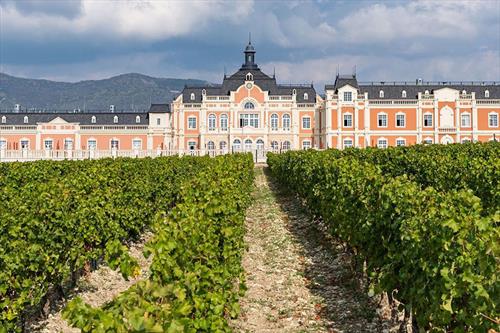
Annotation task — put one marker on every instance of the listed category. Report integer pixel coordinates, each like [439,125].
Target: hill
[126,92]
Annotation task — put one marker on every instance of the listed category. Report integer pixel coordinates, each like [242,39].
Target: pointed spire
[249,38]
[274,72]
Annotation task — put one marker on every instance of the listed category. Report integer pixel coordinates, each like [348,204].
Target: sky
[303,41]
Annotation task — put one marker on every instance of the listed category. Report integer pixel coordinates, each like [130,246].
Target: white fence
[24,155]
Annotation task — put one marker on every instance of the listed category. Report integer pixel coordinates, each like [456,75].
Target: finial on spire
[274,72]
[249,37]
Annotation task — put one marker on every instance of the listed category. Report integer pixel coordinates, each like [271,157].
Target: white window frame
[399,141]
[115,120]
[403,94]
[236,144]
[347,96]
[47,146]
[486,93]
[275,145]
[274,122]
[134,140]
[249,105]
[379,118]
[192,122]
[91,146]
[306,143]
[347,114]
[25,140]
[286,145]
[463,116]
[223,145]
[93,120]
[381,94]
[65,144]
[428,141]
[224,120]
[306,96]
[259,144]
[25,120]
[192,96]
[286,121]
[4,119]
[137,119]
[249,76]
[249,119]
[346,144]
[404,119]
[3,144]
[158,121]
[466,140]
[431,117]
[211,145]
[248,144]
[305,120]
[191,145]
[490,118]
[112,145]
[212,122]
[380,145]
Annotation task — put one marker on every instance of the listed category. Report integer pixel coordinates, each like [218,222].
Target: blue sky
[304,40]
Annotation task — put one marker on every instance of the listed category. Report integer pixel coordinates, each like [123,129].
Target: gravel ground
[99,287]
[298,278]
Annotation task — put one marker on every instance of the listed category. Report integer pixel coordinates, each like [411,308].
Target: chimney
[111,108]
[17,107]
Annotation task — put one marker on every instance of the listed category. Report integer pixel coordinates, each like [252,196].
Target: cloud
[133,19]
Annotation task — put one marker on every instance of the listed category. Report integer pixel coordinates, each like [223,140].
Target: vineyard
[420,222]
[59,218]
[423,220]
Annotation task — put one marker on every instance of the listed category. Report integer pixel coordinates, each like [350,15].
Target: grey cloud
[67,9]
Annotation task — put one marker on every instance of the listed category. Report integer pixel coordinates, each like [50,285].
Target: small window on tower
[306,96]
[192,96]
[347,96]
[249,76]
[487,93]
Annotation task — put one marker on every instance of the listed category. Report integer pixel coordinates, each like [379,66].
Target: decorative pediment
[58,120]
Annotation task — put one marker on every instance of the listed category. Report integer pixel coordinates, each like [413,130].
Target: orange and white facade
[250,111]
[395,114]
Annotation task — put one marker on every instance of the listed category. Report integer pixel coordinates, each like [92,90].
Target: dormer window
[249,105]
[25,119]
[426,93]
[249,76]
[93,119]
[403,94]
[192,96]
[294,92]
[381,94]
[4,119]
[203,92]
[487,93]
[347,96]
[137,119]
[306,96]
[464,92]
[115,119]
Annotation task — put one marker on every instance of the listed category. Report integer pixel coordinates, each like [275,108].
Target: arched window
[294,92]
[115,119]
[382,143]
[274,122]
[248,144]
[381,94]
[286,122]
[3,144]
[275,145]
[426,93]
[236,144]
[223,145]
[4,119]
[260,144]
[210,145]
[487,94]
[137,119]
[203,92]
[192,96]
[25,119]
[223,122]
[249,77]
[306,144]
[403,94]
[464,92]
[93,119]
[285,145]
[212,120]
[306,96]
[249,105]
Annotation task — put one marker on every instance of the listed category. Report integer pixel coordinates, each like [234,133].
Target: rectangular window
[348,143]
[136,144]
[347,96]
[382,120]
[428,141]
[223,122]
[306,122]
[68,144]
[493,120]
[25,144]
[92,144]
[348,120]
[382,143]
[192,145]
[192,122]
[400,120]
[400,142]
[465,120]
[249,120]
[158,121]
[427,120]
[306,144]
[115,144]
[47,144]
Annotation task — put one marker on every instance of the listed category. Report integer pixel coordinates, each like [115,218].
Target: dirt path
[99,287]
[298,279]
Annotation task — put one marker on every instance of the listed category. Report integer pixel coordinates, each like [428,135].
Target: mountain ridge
[129,91]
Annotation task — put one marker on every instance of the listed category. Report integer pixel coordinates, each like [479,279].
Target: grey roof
[265,82]
[83,118]
[159,108]
[393,90]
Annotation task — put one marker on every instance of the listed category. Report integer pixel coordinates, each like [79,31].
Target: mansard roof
[83,118]
[234,81]
[394,90]
[159,108]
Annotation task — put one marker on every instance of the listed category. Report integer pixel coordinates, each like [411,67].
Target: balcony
[447,129]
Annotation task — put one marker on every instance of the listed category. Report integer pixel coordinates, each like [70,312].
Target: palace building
[250,111]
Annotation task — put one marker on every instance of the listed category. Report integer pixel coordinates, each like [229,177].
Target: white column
[419,118]
[356,126]
[474,117]
[457,120]
[339,125]
[436,121]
